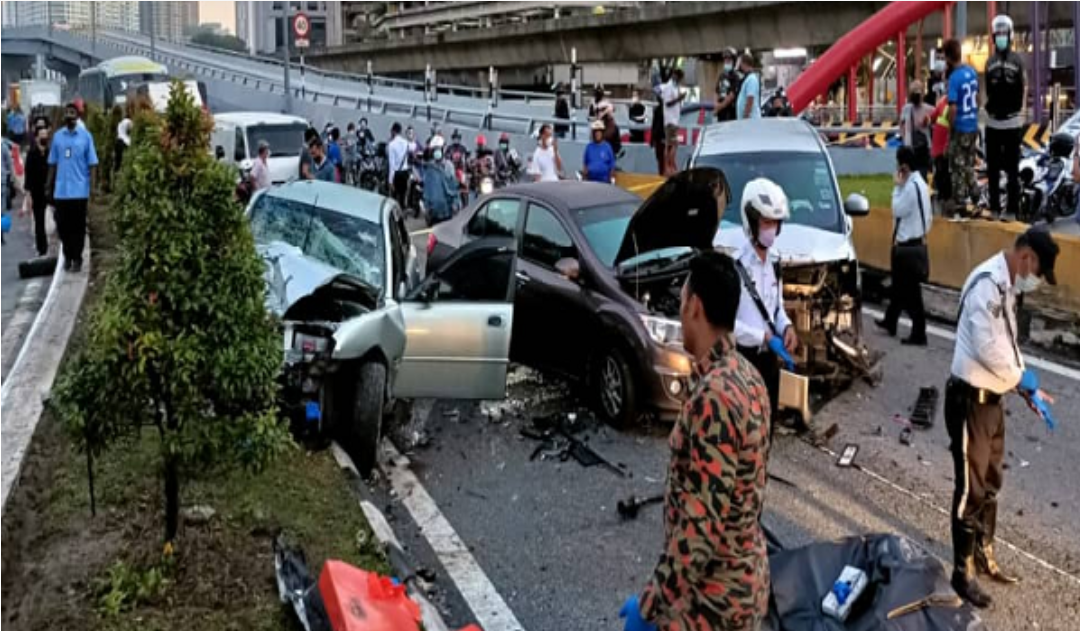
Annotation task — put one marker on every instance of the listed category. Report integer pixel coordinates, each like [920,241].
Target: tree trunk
[172,498]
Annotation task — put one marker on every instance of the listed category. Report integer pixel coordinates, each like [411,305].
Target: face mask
[916,99]
[1027,284]
[504,146]
[1002,42]
[635,98]
[766,237]
[437,154]
[728,67]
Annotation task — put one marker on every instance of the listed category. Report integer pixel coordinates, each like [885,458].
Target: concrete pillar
[870,84]
[1037,65]
[961,20]
[852,94]
[39,66]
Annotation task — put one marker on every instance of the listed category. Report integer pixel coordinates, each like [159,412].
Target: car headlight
[663,331]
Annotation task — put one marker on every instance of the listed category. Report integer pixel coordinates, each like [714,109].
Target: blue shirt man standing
[16,122]
[964,122]
[71,157]
[599,162]
[748,103]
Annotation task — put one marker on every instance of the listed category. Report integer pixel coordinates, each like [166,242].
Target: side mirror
[219,152]
[570,268]
[857,205]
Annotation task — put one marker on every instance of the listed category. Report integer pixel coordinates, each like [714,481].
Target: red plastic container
[364,601]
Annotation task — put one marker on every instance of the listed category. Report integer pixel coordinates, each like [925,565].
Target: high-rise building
[110,16]
[264,25]
[170,21]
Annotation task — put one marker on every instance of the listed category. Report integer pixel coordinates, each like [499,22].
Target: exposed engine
[659,290]
[823,301]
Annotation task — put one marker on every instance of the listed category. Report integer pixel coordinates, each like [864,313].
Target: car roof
[758,135]
[572,195]
[258,118]
[347,200]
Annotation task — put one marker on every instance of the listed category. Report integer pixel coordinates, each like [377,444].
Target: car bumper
[668,383]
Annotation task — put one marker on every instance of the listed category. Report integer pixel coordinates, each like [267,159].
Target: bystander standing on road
[915,121]
[638,117]
[910,266]
[939,146]
[964,128]
[672,97]
[321,167]
[310,135]
[260,170]
[598,164]
[35,183]
[713,572]
[16,123]
[1005,94]
[612,134]
[656,135]
[71,158]
[397,154]
[987,366]
[546,164]
[333,152]
[440,188]
[748,103]
[763,331]
[562,112]
[727,87]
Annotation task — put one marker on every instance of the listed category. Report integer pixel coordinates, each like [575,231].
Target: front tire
[616,388]
[359,427]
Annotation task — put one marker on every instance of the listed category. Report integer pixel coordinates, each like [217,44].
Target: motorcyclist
[1005,118]
[727,87]
[777,105]
[364,137]
[350,154]
[458,156]
[440,187]
[507,161]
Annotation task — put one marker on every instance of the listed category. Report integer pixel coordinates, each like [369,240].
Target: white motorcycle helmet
[1003,26]
[437,142]
[762,198]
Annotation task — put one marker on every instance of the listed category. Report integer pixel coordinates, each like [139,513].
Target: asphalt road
[19,299]
[547,536]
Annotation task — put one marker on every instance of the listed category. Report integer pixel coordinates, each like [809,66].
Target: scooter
[1047,189]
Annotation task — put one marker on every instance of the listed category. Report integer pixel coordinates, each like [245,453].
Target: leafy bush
[180,340]
[124,587]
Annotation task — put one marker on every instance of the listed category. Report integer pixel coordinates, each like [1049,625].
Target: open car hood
[684,211]
[291,276]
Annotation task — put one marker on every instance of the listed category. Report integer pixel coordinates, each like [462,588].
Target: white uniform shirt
[672,113]
[543,164]
[260,174]
[750,327]
[986,354]
[397,154]
[905,208]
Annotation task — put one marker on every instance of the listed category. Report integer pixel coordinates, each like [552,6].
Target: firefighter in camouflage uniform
[713,573]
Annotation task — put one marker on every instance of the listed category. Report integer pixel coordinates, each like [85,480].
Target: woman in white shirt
[546,163]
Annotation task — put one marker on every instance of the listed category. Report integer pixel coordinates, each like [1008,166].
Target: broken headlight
[663,331]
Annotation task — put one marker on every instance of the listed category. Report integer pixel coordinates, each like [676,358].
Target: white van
[236,137]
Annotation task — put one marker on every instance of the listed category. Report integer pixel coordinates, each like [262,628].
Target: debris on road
[628,508]
[925,410]
[847,457]
[905,437]
[556,435]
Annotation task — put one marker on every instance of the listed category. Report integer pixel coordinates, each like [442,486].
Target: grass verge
[61,564]
[877,188]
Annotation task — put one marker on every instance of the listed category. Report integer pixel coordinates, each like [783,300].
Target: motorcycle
[510,173]
[1047,189]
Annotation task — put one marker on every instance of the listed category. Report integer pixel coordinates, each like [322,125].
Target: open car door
[457,326]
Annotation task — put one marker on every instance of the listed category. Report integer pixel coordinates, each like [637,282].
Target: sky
[224,13]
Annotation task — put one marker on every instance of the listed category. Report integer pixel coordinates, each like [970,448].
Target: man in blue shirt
[321,168]
[333,151]
[599,162]
[748,104]
[16,122]
[71,157]
[964,123]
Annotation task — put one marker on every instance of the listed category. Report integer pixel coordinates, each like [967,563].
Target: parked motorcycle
[1047,189]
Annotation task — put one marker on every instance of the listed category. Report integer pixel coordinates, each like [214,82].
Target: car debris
[556,435]
[905,437]
[925,410]
[628,508]
[847,457]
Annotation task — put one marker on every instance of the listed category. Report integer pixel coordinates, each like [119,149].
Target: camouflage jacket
[714,573]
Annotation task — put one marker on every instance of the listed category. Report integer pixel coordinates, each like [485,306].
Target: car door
[552,327]
[458,325]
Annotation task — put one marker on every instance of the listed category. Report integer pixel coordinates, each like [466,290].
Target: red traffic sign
[301,25]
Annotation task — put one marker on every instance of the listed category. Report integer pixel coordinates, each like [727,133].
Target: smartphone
[847,457]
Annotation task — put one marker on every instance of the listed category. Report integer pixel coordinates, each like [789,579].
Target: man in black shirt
[637,116]
[562,112]
[727,88]
[1004,117]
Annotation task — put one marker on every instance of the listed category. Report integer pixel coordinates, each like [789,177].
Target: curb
[22,398]
[432,619]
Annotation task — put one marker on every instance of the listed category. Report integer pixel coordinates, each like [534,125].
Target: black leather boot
[963,577]
[985,560]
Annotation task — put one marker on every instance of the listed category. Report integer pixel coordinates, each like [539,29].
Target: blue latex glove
[631,611]
[1043,408]
[5,224]
[776,345]
[1029,382]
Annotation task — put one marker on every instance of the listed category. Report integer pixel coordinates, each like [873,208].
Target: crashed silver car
[359,327]
[819,266]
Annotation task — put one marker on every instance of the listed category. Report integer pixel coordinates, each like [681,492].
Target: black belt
[915,241]
[981,396]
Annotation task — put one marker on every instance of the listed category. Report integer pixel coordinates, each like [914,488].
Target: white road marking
[1038,362]
[904,491]
[15,329]
[476,588]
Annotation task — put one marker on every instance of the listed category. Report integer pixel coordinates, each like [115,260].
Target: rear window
[285,140]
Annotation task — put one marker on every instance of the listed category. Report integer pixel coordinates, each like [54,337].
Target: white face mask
[1027,284]
[766,237]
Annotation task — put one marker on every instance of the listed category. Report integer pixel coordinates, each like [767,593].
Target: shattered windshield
[350,244]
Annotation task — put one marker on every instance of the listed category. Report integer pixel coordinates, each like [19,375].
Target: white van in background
[236,137]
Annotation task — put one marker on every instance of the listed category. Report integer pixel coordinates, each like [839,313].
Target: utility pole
[153,31]
[93,27]
[285,51]
[961,20]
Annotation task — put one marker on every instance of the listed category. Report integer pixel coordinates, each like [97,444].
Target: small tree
[180,340]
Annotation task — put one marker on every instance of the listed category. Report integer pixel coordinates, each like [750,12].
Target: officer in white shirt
[546,162]
[986,366]
[397,155]
[763,332]
[912,216]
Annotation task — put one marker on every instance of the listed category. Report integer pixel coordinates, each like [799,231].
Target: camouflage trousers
[961,154]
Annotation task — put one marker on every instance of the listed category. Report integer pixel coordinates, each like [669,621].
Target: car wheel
[616,389]
[360,431]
